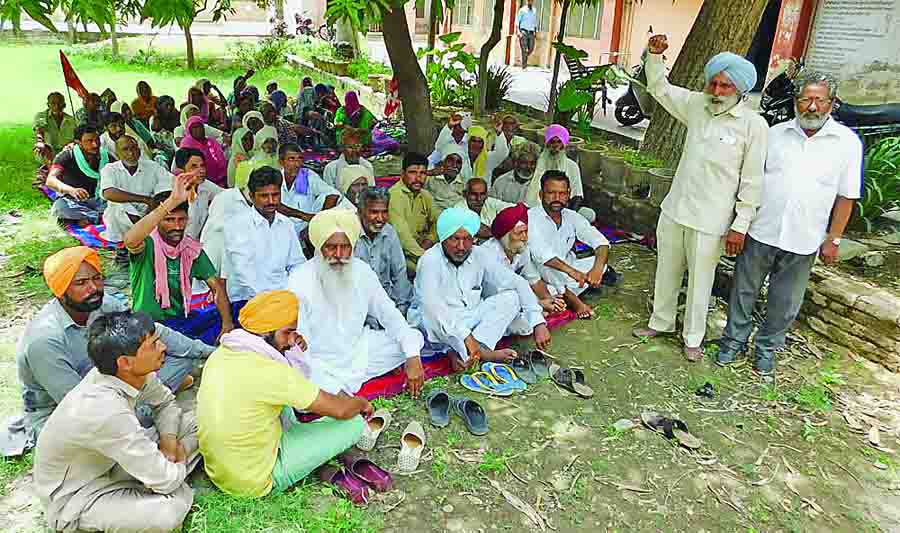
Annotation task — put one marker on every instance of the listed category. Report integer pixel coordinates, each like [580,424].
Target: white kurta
[570,168]
[522,265]
[312,202]
[479,298]
[342,352]
[332,172]
[223,211]
[144,182]
[547,241]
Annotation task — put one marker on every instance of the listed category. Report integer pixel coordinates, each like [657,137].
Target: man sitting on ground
[53,129]
[379,247]
[512,187]
[445,183]
[303,192]
[553,229]
[453,133]
[250,439]
[412,210]
[128,186]
[554,157]
[353,181]
[95,467]
[74,176]
[509,246]
[52,355]
[163,264]
[115,130]
[468,300]
[350,155]
[338,292]
[192,161]
[477,200]
[223,211]
[90,112]
[263,248]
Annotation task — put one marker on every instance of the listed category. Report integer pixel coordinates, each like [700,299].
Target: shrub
[361,67]
[499,81]
[881,179]
[265,53]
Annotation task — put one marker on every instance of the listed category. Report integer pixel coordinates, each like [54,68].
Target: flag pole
[71,105]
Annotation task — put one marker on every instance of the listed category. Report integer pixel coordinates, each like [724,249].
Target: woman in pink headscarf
[195,96]
[216,164]
[354,115]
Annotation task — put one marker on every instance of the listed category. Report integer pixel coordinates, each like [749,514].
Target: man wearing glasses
[812,179]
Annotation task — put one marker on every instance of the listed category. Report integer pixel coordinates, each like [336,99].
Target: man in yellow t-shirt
[250,439]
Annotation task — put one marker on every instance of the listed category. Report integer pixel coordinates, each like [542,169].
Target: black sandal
[572,380]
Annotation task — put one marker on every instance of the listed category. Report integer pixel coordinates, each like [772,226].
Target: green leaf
[450,38]
[570,51]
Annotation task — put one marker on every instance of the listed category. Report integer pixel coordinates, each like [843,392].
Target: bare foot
[582,310]
[186,384]
[498,356]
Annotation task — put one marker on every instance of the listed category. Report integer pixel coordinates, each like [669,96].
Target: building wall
[664,16]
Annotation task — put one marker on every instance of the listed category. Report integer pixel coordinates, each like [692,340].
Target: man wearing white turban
[338,292]
[715,192]
[468,300]
[445,181]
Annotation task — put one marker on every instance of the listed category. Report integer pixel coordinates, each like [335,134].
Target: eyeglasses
[806,101]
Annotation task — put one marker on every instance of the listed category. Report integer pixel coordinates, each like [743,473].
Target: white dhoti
[117,221]
[375,354]
[489,321]
[678,248]
[557,282]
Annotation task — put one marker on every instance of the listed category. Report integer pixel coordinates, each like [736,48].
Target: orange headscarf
[269,311]
[61,267]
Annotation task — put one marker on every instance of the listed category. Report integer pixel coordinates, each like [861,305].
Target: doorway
[761,48]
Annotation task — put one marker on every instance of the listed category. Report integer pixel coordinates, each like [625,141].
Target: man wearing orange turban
[52,355]
[249,436]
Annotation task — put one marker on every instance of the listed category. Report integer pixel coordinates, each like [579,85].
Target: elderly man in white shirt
[129,185]
[812,179]
[513,186]
[554,157]
[303,192]
[452,133]
[466,299]
[509,246]
[445,181]
[553,230]
[350,150]
[715,191]
[263,248]
[475,198]
[337,292]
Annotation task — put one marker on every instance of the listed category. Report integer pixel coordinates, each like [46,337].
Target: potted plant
[612,165]
[638,180]
[662,183]
[534,131]
[590,158]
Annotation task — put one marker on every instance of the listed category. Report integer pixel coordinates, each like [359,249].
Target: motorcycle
[304,26]
[777,106]
[636,104]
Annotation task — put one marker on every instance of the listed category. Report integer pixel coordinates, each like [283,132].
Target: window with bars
[584,21]
[462,12]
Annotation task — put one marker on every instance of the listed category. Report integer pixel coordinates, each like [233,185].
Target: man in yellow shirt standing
[412,210]
[250,439]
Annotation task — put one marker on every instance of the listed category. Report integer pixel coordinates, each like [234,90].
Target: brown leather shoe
[647,333]
[693,355]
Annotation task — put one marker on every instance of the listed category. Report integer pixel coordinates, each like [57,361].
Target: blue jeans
[788,277]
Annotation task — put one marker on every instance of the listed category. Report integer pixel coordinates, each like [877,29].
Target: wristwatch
[836,241]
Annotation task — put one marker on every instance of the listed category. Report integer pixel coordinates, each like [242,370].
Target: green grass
[11,469]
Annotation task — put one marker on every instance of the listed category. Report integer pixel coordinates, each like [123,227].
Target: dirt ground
[814,451]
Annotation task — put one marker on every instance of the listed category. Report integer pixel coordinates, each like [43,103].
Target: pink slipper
[354,488]
[367,471]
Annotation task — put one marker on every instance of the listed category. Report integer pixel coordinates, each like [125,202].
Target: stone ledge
[844,290]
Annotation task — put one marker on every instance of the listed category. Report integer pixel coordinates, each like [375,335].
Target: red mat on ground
[393,383]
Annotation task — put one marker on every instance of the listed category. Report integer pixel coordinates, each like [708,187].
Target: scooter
[636,104]
[304,26]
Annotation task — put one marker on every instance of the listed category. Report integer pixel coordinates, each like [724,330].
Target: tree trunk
[189,43]
[432,30]
[114,39]
[279,11]
[70,27]
[414,93]
[551,106]
[721,25]
[496,27]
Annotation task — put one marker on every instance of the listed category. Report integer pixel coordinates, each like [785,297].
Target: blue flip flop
[485,384]
[505,374]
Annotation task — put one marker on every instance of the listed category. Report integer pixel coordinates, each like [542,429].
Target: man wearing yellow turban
[468,300]
[249,436]
[338,292]
[52,355]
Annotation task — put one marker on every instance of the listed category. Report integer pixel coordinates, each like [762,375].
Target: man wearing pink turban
[554,157]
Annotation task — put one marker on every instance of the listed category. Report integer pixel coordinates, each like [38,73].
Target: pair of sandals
[412,442]
[532,367]
[355,476]
[440,404]
[572,380]
[494,379]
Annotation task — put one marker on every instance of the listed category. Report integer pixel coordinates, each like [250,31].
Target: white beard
[336,285]
[554,161]
[512,247]
[725,103]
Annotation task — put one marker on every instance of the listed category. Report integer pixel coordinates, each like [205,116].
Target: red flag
[72,78]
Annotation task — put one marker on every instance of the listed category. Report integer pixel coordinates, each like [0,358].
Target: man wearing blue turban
[467,299]
[716,189]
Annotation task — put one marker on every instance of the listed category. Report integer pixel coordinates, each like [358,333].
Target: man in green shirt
[412,210]
[163,262]
[53,129]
